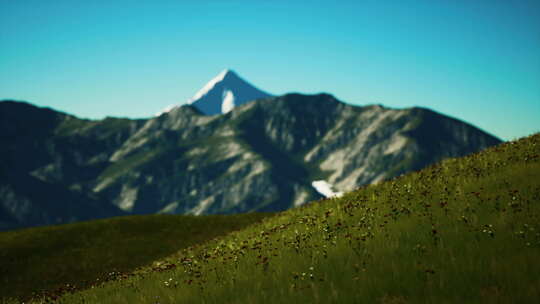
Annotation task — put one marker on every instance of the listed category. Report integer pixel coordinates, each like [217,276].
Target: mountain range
[268,154]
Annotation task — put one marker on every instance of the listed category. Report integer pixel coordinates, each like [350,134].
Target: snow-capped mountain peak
[210,85]
[221,94]
[224,92]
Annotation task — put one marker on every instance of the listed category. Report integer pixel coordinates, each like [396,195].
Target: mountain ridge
[262,156]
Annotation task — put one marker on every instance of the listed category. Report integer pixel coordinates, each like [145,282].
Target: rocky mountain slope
[261,156]
[48,160]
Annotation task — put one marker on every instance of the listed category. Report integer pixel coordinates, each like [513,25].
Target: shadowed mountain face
[48,160]
[262,156]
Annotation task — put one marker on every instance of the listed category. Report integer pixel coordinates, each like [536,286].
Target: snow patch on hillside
[228,102]
[324,188]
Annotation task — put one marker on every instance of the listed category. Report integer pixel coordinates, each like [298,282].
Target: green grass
[83,254]
[466,230]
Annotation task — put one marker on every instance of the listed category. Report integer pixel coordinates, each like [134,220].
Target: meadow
[48,261]
[466,230]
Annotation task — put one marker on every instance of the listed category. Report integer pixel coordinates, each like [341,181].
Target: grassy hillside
[464,231]
[83,254]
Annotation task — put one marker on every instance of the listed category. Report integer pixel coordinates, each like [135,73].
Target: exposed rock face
[262,156]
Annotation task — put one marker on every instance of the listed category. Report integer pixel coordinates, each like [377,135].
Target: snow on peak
[210,85]
[224,92]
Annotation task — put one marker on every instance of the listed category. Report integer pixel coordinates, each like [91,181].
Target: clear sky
[476,60]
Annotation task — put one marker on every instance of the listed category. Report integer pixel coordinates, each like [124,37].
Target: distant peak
[222,74]
[225,74]
[224,92]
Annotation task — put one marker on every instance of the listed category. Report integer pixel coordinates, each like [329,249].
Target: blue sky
[476,60]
